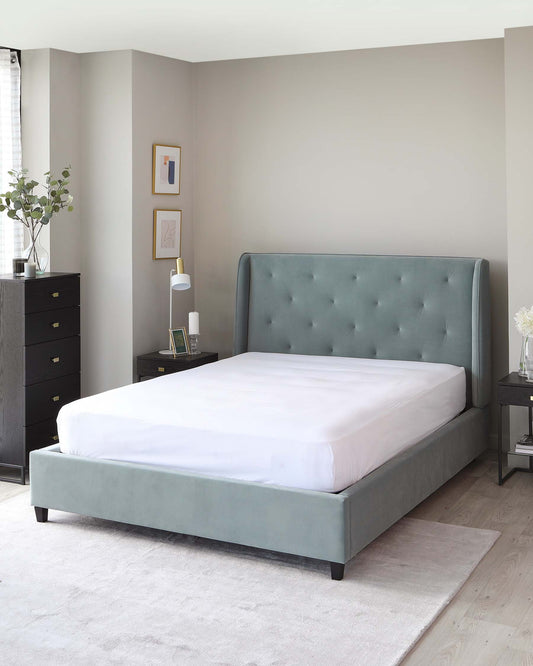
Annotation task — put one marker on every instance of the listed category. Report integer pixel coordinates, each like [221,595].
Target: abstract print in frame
[166,169]
[167,234]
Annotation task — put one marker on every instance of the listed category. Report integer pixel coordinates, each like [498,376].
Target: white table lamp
[179,281]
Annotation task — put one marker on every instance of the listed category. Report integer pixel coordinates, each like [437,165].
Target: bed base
[326,526]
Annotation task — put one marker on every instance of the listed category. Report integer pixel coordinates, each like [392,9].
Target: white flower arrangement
[523,320]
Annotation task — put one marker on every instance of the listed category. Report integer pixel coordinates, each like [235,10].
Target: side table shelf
[513,390]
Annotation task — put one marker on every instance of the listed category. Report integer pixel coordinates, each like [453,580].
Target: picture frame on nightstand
[180,341]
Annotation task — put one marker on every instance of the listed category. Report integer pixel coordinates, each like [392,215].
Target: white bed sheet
[312,422]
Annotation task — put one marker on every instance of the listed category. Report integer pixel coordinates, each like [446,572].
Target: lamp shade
[180,281]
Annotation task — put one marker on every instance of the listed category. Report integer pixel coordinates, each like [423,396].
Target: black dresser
[39,363]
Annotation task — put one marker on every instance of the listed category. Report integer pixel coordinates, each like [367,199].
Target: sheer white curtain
[11,233]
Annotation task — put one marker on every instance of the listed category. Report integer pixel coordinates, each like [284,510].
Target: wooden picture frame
[180,341]
[167,234]
[166,169]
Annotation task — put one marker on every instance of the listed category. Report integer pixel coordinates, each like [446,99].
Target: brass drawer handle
[55,294]
[54,359]
[55,438]
[55,324]
[160,369]
[55,398]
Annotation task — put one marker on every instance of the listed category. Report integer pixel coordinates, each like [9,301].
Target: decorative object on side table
[152,365]
[30,270]
[194,332]
[524,325]
[26,207]
[179,281]
[515,390]
[180,343]
[166,169]
[18,266]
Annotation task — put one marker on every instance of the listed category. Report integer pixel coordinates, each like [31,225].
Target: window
[11,233]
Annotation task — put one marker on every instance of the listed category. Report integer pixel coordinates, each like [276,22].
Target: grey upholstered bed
[433,309]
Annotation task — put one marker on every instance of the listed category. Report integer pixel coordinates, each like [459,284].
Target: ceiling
[202,30]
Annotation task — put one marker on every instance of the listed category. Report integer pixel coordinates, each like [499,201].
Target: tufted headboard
[433,309]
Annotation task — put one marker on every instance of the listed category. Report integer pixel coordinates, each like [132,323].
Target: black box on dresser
[39,363]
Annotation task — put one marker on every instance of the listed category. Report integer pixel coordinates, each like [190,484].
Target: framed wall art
[167,234]
[166,169]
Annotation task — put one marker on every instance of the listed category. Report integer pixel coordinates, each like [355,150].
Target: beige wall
[162,113]
[396,150]
[65,149]
[106,228]
[519,116]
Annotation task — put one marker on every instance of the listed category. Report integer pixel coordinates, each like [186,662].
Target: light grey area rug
[83,591]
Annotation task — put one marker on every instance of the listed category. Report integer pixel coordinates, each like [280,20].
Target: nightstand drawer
[51,325]
[53,294]
[44,400]
[156,368]
[51,359]
[39,435]
[515,395]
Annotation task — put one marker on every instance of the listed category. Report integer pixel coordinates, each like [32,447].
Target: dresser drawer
[51,359]
[40,434]
[51,294]
[51,325]
[44,400]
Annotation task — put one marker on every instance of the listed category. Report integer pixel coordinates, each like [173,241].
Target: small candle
[29,270]
[194,323]
[18,266]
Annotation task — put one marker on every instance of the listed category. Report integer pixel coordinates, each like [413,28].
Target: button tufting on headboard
[368,306]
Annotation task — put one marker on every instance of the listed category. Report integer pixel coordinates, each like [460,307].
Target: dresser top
[42,276]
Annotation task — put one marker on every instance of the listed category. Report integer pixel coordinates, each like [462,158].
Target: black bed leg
[42,514]
[337,570]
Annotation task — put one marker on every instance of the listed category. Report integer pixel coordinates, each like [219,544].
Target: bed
[422,310]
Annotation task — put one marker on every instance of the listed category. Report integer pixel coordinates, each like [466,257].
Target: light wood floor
[490,621]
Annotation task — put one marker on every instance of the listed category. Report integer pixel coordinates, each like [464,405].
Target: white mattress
[313,422]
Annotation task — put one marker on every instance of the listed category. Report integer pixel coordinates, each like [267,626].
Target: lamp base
[166,351]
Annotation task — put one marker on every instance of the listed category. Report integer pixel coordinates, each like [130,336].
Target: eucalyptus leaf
[11,214]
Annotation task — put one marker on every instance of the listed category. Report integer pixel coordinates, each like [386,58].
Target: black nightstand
[513,390]
[155,364]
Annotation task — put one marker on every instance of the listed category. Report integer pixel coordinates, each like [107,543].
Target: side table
[513,390]
[155,364]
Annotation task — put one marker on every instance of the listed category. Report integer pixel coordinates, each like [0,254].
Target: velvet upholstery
[412,308]
[433,309]
[327,526]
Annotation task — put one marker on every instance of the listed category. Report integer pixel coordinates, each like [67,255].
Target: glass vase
[528,359]
[36,254]
[522,365]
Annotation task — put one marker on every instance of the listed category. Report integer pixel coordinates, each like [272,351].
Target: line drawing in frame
[167,234]
[166,169]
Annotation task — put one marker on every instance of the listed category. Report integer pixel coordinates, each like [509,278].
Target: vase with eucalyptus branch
[23,204]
